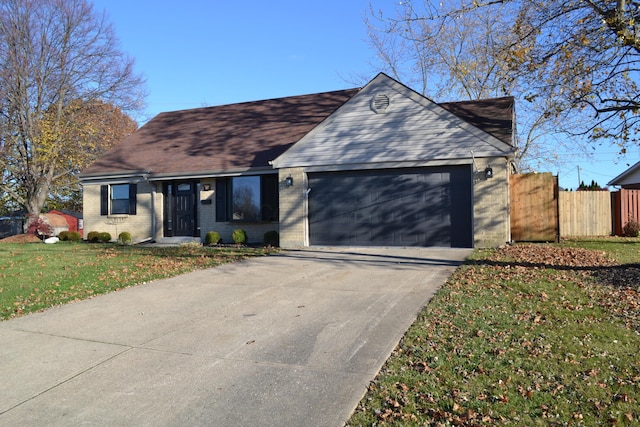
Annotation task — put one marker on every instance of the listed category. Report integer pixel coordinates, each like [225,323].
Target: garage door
[399,207]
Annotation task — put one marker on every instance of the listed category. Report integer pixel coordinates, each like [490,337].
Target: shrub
[271,238]
[125,238]
[212,238]
[631,228]
[239,236]
[74,236]
[104,237]
[69,236]
[93,237]
[38,226]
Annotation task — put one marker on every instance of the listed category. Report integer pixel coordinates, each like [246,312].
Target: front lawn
[521,336]
[35,276]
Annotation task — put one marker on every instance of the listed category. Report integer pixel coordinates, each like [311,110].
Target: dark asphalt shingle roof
[241,136]
[223,138]
[495,116]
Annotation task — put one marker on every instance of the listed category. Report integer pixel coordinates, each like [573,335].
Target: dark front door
[180,208]
[404,207]
[184,213]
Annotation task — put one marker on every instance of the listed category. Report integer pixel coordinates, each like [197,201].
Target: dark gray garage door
[401,207]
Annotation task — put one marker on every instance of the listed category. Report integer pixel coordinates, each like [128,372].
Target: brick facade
[139,225]
[490,206]
[207,219]
[491,203]
[293,208]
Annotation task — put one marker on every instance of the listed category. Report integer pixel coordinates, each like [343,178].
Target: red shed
[74,219]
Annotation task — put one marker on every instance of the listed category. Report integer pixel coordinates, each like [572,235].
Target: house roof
[234,137]
[247,136]
[495,116]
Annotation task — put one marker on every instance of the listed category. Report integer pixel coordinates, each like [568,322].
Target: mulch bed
[21,238]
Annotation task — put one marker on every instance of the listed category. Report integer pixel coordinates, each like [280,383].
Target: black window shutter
[269,197]
[104,200]
[221,199]
[133,192]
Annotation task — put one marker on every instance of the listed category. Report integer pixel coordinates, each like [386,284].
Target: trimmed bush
[239,236]
[93,237]
[125,238]
[212,238]
[104,237]
[69,236]
[272,238]
[631,228]
[74,236]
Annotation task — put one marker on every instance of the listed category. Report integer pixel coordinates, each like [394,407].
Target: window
[119,199]
[247,198]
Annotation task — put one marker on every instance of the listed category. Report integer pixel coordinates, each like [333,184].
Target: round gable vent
[380,103]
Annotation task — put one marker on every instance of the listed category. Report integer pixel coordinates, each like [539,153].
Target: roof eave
[148,175]
[623,175]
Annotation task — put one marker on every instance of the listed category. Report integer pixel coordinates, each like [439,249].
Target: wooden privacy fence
[534,207]
[585,213]
[539,212]
[626,206]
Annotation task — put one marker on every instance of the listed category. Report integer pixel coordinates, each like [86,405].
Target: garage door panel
[408,207]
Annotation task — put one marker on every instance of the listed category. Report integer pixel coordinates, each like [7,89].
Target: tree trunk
[36,198]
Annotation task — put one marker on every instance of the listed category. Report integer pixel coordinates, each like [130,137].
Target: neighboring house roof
[77,215]
[56,220]
[225,138]
[387,123]
[247,136]
[629,177]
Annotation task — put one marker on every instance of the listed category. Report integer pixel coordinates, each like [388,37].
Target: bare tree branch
[54,54]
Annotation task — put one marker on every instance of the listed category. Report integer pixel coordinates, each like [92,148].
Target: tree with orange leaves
[64,90]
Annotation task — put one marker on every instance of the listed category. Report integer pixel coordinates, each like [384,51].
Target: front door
[180,208]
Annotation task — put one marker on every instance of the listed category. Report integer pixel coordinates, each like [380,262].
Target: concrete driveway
[291,340]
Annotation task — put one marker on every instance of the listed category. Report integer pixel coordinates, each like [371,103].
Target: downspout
[153,212]
[306,216]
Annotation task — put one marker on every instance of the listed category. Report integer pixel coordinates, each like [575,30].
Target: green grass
[516,344]
[35,276]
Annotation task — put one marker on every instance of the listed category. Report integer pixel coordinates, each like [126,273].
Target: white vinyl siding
[411,129]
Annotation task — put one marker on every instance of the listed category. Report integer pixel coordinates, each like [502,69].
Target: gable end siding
[413,129]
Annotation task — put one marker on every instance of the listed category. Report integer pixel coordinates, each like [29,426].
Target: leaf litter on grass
[521,335]
[38,276]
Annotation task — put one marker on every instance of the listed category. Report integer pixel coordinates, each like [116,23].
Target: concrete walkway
[289,340]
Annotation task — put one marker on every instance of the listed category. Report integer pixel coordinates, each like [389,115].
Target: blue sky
[197,53]
[211,52]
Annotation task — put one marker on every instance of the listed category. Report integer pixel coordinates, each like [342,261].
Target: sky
[196,53]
